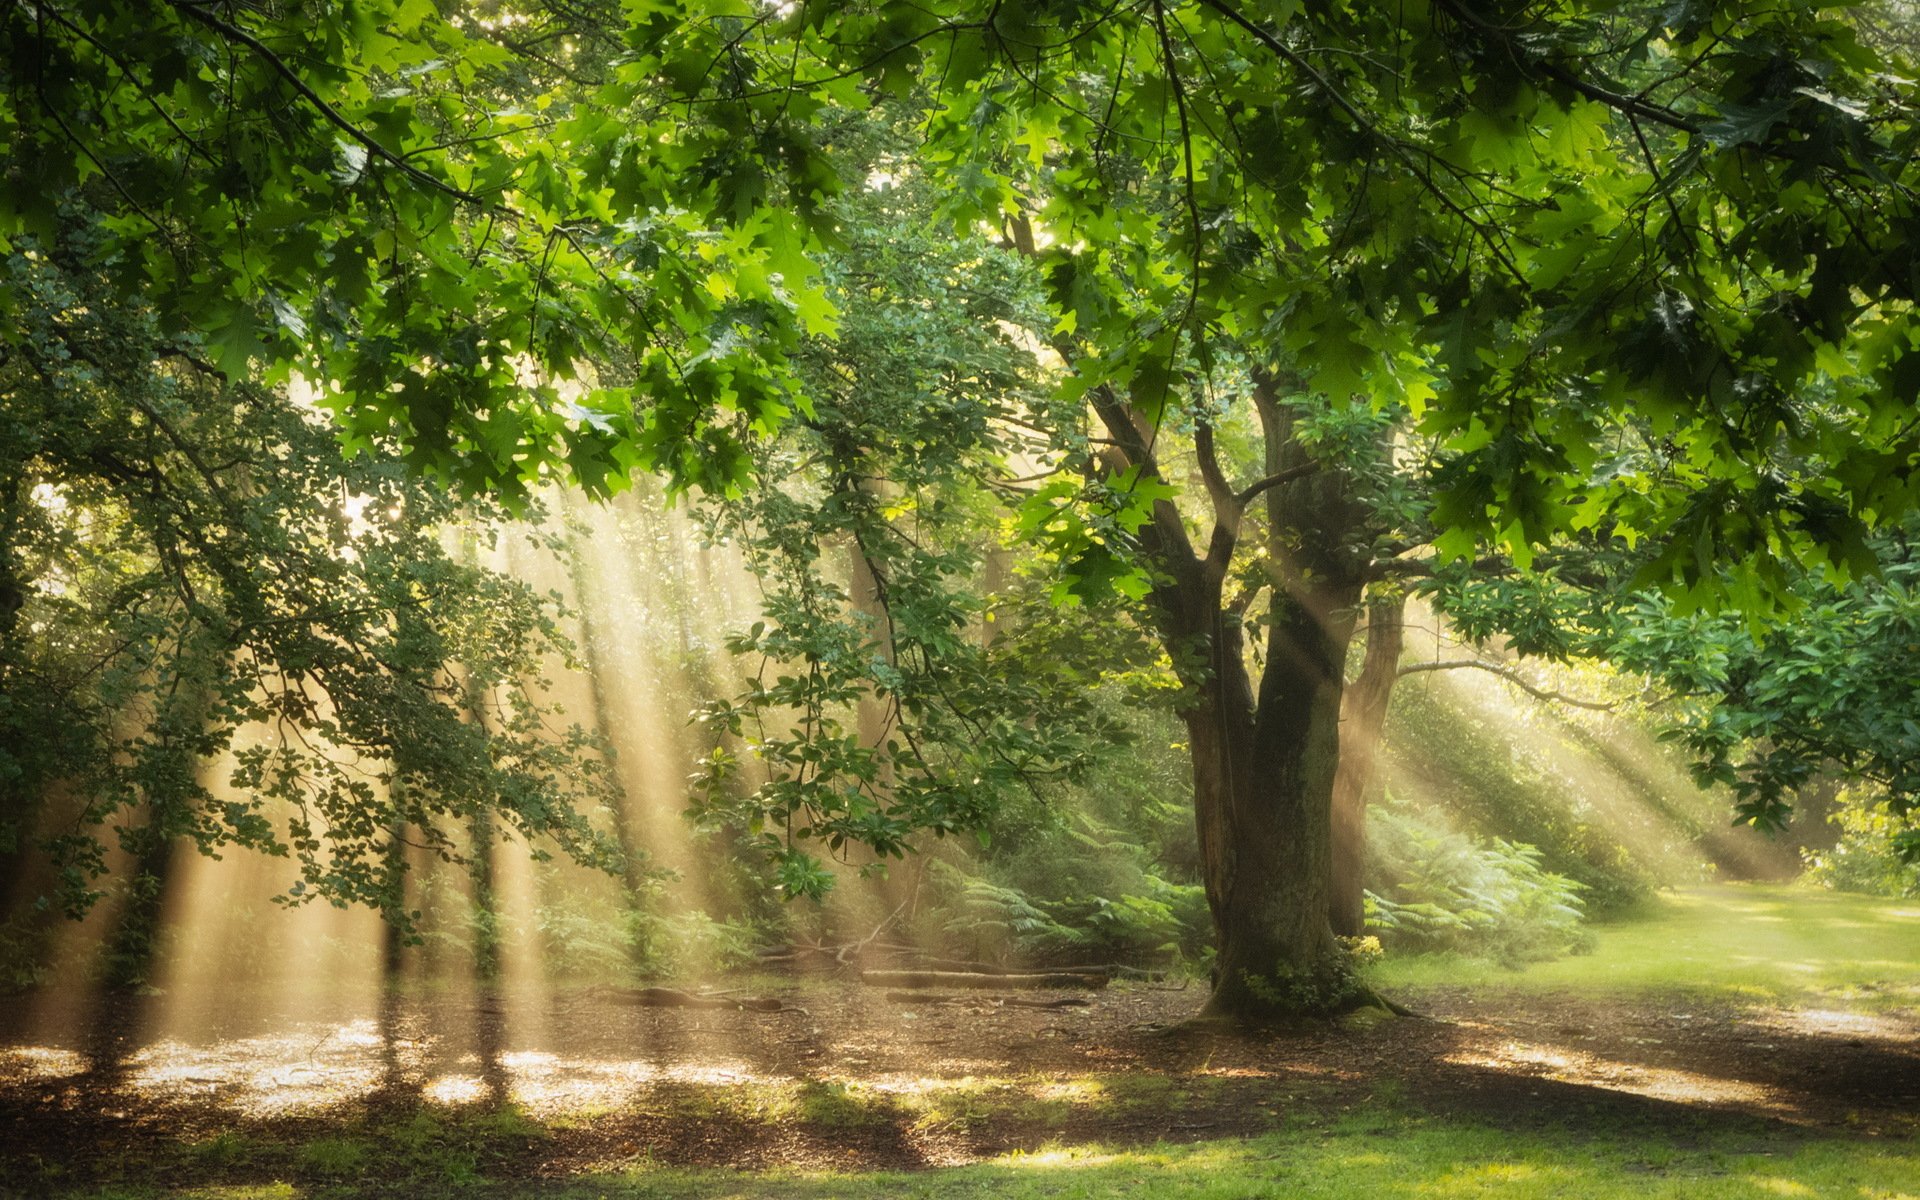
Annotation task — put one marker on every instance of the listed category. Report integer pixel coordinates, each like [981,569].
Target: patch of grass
[1756,943]
[222,1149]
[1356,1159]
[332,1156]
[834,1104]
[1368,1154]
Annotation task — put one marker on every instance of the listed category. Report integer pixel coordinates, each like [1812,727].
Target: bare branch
[1247,494]
[1511,676]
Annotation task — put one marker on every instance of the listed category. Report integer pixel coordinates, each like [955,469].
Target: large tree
[1645,270]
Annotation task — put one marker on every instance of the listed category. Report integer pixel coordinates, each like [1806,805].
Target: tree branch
[1632,106]
[1247,494]
[1511,676]
[1227,508]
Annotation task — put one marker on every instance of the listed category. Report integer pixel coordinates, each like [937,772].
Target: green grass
[1366,1155]
[1763,944]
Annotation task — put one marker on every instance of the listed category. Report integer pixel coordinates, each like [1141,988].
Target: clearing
[1737,1042]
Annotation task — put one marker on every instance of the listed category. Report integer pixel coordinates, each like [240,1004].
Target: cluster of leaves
[1765,707]
[436,214]
[1639,264]
[1830,689]
[1080,892]
[218,630]
[1438,890]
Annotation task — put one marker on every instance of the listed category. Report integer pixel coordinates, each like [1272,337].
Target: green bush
[1438,890]
[1148,919]
[1863,860]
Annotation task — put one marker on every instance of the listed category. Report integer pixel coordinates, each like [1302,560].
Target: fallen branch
[1001,1001]
[980,981]
[659,997]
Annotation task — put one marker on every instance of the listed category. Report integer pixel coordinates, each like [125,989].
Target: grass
[1363,1156]
[1764,944]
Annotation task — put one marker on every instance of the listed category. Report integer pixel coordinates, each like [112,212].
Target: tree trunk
[1264,780]
[1363,717]
[1263,767]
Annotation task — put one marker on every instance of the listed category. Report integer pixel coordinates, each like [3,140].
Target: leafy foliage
[893,693]
[1864,859]
[1763,707]
[219,631]
[1492,788]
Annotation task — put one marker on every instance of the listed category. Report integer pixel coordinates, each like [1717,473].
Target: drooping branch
[1511,676]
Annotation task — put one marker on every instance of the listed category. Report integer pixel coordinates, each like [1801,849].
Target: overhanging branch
[1511,676]
[280,66]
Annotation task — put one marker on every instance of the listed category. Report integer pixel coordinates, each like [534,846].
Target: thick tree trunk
[1363,718]
[1265,784]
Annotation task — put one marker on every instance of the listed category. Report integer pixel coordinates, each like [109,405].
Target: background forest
[932,569]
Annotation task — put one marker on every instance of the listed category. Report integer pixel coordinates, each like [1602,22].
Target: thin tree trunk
[1363,718]
[480,872]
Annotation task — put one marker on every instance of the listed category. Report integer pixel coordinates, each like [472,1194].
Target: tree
[1555,237]
[1642,270]
[195,577]
[1773,710]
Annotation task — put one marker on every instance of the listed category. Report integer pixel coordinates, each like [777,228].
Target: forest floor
[1740,1042]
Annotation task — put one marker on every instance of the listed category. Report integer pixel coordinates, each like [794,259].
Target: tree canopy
[1640,267]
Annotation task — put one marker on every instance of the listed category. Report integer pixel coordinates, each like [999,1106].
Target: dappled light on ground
[1589,1070]
[560,1080]
[37,1063]
[1817,1022]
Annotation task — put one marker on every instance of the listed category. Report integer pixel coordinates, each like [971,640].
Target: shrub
[1864,860]
[1438,890]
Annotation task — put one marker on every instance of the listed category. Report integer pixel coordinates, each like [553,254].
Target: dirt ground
[848,1078]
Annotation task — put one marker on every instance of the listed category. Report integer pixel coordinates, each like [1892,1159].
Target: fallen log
[979,981]
[1110,970]
[660,997]
[1006,1001]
